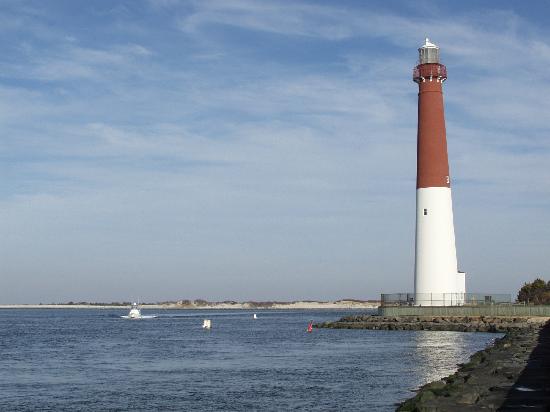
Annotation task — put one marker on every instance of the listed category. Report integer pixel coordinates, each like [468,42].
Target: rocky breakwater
[513,374]
[437,323]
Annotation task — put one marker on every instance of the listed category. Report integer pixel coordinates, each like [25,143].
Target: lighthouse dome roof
[429,45]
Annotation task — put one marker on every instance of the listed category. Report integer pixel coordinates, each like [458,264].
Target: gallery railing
[445,299]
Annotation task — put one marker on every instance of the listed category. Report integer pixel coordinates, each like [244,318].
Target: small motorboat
[254,317]
[207,324]
[135,313]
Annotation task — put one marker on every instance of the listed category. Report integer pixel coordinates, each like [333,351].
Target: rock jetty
[438,323]
[512,374]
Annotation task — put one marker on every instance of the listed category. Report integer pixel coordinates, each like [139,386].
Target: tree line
[535,293]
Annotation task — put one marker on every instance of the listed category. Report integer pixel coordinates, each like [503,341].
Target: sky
[262,150]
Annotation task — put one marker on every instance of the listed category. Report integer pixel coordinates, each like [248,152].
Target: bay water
[91,359]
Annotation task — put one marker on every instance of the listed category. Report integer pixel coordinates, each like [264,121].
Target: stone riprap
[511,375]
[438,323]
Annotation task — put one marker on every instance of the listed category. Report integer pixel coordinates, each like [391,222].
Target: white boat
[255,317]
[135,313]
[207,324]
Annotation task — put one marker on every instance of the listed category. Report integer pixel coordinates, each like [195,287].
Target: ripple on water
[93,360]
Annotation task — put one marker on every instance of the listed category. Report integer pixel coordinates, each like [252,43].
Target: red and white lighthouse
[436,278]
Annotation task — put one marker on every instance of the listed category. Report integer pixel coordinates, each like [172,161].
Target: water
[93,360]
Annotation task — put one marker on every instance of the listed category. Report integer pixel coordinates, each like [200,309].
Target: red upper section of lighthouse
[432,159]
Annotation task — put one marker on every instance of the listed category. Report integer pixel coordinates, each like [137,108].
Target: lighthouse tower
[437,281]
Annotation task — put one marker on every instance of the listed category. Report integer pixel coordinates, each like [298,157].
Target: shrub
[536,292]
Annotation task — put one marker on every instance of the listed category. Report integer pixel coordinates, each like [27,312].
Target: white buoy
[255,317]
[207,324]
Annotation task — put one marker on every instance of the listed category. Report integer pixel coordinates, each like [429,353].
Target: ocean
[91,359]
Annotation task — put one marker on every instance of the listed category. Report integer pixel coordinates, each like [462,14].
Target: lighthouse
[437,281]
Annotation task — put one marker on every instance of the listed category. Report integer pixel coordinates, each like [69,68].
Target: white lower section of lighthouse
[436,278]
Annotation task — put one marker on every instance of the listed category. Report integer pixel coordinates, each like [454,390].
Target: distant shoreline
[202,305]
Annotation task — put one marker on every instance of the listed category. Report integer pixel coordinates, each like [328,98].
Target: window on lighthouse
[425,212]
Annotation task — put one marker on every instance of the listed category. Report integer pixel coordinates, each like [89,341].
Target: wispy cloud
[291,19]
[70,61]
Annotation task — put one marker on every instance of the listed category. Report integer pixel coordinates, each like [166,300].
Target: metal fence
[445,299]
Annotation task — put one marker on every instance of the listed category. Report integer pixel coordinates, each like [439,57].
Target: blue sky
[262,149]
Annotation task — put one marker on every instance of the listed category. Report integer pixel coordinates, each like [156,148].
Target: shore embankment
[438,323]
[511,374]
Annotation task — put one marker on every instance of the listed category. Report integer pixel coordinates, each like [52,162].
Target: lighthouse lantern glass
[428,55]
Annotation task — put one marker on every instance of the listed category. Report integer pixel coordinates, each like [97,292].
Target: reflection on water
[437,353]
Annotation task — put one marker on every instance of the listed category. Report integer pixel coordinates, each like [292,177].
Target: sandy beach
[338,304]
